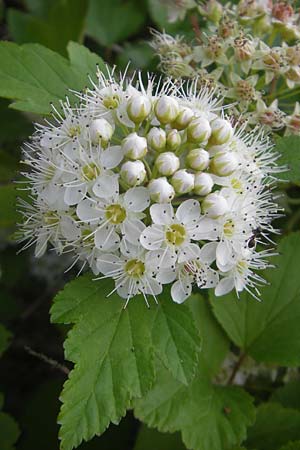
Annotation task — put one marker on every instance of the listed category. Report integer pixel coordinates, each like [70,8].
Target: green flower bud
[184,117]
[134,146]
[183,181]
[161,191]
[101,132]
[214,205]
[166,109]
[224,164]
[157,139]
[203,183]
[221,132]
[198,159]
[173,140]
[198,131]
[167,163]
[133,173]
[139,108]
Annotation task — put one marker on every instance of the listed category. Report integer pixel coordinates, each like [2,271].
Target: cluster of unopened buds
[152,185]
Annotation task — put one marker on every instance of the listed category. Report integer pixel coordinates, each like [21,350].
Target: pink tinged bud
[101,132]
[198,159]
[221,132]
[157,139]
[161,191]
[173,140]
[215,205]
[134,146]
[203,183]
[183,181]
[139,108]
[133,173]
[224,164]
[166,109]
[167,163]
[198,131]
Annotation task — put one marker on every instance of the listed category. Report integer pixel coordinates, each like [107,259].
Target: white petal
[180,291]
[223,253]
[206,229]
[130,250]
[111,157]
[109,263]
[226,285]
[210,281]
[41,244]
[87,211]
[127,289]
[152,237]
[137,199]
[208,252]
[69,229]
[188,252]
[188,211]
[74,194]
[161,259]
[106,186]
[162,213]
[132,229]
[106,238]
[166,276]
[151,286]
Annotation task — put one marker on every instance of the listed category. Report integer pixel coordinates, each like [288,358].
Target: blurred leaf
[8,213]
[139,54]
[9,166]
[39,7]
[288,395]
[8,305]
[159,14]
[64,22]
[111,21]
[14,128]
[83,60]
[33,90]
[288,147]
[5,338]
[112,350]
[9,432]
[291,446]
[269,330]
[149,439]
[209,417]
[274,427]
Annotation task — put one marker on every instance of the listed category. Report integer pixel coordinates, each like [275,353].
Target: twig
[195,26]
[236,368]
[46,359]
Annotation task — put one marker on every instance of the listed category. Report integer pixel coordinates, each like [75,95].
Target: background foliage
[150,362]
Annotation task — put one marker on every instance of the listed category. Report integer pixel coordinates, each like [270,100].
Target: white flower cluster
[151,186]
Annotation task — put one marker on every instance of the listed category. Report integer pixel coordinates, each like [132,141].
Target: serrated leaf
[288,147]
[111,21]
[268,330]
[112,350]
[5,338]
[274,427]
[291,446]
[149,439]
[9,430]
[85,61]
[209,417]
[33,90]
[288,395]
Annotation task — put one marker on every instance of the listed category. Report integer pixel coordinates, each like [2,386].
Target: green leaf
[288,147]
[149,439]
[64,22]
[15,127]
[288,395]
[268,330]
[111,21]
[33,90]
[112,349]
[8,213]
[274,427]
[140,55]
[9,430]
[83,60]
[291,446]
[5,338]
[209,417]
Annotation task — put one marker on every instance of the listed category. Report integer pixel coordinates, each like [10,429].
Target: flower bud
[166,109]
[214,205]
[133,172]
[224,163]
[138,108]
[167,163]
[173,140]
[183,118]
[134,146]
[198,130]
[221,132]
[157,139]
[101,132]
[203,183]
[198,159]
[183,181]
[161,191]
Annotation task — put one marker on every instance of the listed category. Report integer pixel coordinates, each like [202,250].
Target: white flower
[131,273]
[161,191]
[167,163]
[133,173]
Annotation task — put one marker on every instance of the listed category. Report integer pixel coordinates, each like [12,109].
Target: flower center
[237,185]
[90,172]
[88,237]
[135,268]
[242,266]
[111,102]
[74,131]
[176,234]
[115,213]
[228,228]
[51,218]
